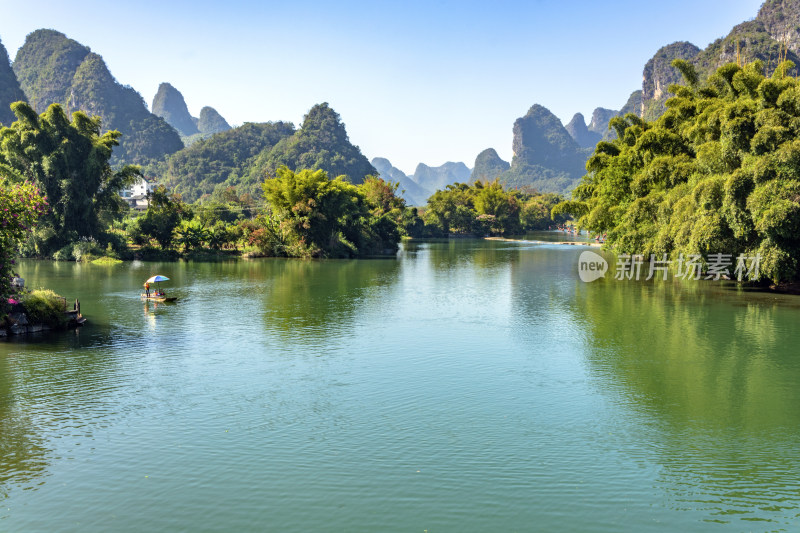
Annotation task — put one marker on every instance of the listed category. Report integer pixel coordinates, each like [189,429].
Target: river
[465,386]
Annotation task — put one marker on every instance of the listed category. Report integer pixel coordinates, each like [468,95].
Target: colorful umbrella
[157,278]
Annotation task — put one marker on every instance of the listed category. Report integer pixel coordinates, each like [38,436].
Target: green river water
[465,386]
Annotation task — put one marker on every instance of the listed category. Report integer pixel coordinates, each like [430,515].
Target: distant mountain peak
[436,178]
[211,122]
[546,157]
[600,119]
[488,166]
[168,103]
[578,130]
[411,191]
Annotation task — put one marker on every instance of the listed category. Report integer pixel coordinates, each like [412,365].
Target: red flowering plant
[21,205]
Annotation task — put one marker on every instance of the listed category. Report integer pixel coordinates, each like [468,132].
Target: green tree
[192,234]
[451,210]
[487,209]
[502,206]
[320,217]
[163,216]
[69,162]
[382,195]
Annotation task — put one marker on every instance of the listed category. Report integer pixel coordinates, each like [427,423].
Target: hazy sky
[413,81]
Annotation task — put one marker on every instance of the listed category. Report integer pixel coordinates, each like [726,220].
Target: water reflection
[24,455]
[717,373]
[51,386]
[318,301]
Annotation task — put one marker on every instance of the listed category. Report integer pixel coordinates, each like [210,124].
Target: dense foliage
[164,213]
[69,162]
[717,173]
[311,215]
[43,306]
[487,209]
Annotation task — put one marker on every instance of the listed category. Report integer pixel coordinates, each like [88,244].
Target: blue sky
[413,81]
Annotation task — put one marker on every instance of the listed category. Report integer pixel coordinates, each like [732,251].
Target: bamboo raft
[158,298]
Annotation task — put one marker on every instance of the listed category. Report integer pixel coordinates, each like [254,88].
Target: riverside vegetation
[718,172]
[299,213]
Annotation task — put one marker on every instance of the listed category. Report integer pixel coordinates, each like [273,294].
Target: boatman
[147,289]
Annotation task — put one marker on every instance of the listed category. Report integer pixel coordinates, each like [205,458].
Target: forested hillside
[223,160]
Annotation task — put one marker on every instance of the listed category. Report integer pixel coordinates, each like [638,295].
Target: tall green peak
[488,166]
[168,103]
[10,90]
[747,42]
[781,19]
[540,138]
[321,143]
[770,37]
[45,66]
[659,74]
[211,122]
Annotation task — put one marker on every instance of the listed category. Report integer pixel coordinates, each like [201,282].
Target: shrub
[86,250]
[43,306]
[64,254]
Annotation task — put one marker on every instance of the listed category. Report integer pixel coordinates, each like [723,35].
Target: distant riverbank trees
[483,209]
[717,173]
[310,215]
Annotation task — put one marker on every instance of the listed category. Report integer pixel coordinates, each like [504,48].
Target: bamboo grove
[718,172]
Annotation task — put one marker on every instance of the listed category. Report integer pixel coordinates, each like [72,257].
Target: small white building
[136,194]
